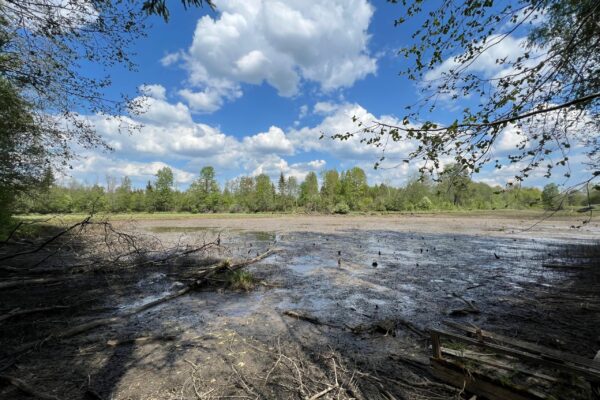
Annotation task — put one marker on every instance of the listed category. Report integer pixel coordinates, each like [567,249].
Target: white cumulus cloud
[281,43]
[273,141]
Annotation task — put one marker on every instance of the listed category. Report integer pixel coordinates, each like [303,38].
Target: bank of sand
[512,224]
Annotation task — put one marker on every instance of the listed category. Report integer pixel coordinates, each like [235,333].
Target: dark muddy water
[355,277]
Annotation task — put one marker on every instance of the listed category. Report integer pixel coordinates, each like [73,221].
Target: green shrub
[341,208]
[425,204]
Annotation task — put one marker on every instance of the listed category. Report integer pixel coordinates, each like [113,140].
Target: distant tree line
[338,193]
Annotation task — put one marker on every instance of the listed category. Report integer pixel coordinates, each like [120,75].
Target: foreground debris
[282,369]
[498,367]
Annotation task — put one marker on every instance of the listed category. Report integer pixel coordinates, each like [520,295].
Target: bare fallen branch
[18,312]
[48,241]
[26,388]
[141,340]
[304,317]
[322,393]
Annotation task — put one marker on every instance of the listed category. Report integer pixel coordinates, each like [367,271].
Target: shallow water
[180,229]
[417,275]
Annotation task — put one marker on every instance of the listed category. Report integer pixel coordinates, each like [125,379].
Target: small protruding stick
[436,346]
[322,393]
[596,385]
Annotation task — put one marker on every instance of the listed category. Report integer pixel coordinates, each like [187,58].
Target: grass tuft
[241,280]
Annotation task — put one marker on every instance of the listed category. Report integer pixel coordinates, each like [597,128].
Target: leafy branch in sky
[545,91]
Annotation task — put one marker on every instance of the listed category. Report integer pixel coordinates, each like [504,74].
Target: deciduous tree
[51,52]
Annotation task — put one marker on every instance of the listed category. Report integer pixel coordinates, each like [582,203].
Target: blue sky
[250,88]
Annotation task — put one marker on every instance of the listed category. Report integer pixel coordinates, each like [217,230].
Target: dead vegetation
[282,369]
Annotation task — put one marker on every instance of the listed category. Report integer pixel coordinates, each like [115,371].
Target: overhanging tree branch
[498,121]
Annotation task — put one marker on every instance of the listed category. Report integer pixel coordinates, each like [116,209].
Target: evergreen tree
[282,198]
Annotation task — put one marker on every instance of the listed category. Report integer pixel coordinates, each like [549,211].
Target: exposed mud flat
[510,223]
[347,275]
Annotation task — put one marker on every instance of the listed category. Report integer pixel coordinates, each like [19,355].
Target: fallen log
[533,348]
[590,373]
[481,359]
[309,318]
[480,384]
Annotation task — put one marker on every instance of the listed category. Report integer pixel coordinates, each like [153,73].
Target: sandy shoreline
[489,225]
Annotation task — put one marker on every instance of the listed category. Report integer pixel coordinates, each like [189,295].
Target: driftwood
[479,383]
[310,318]
[481,358]
[549,354]
[322,393]
[592,374]
[386,326]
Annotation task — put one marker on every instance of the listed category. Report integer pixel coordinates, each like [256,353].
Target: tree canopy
[548,93]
